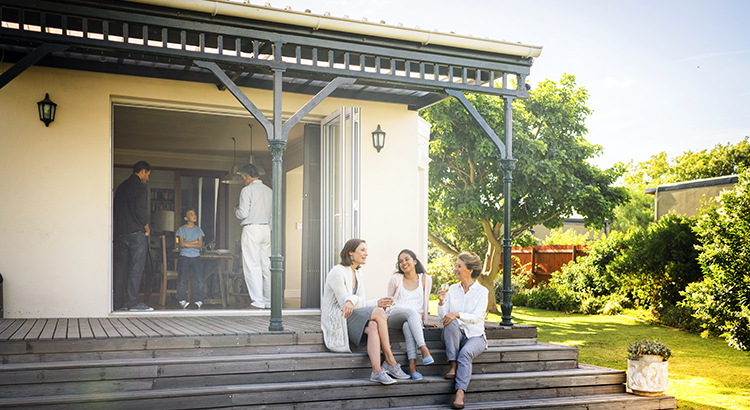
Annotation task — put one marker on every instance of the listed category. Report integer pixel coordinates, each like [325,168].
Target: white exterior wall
[56,206]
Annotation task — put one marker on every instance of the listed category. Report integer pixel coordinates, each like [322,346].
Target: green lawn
[703,374]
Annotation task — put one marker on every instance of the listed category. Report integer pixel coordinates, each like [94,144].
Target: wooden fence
[545,260]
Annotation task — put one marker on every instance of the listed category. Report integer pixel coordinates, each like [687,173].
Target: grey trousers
[409,321]
[463,350]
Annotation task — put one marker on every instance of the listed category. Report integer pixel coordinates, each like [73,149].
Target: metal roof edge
[317,22]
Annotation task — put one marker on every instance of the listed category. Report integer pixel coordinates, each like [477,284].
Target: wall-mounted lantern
[47,110]
[378,139]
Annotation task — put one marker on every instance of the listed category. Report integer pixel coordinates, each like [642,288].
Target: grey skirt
[356,323]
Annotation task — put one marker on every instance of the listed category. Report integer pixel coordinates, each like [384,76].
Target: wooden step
[618,401]
[353,393]
[70,377]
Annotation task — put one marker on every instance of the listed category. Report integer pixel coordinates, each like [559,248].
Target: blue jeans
[184,266]
[131,260]
[463,350]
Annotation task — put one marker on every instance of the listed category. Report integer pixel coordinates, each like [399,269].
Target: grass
[703,374]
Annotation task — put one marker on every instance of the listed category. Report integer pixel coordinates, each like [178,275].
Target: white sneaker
[199,304]
[395,371]
[184,304]
[381,377]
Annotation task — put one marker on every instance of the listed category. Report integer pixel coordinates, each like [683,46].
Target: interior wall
[56,212]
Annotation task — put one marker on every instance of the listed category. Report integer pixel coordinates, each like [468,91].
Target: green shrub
[520,281]
[723,299]
[679,317]
[519,299]
[589,276]
[659,262]
[615,304]
[551,298]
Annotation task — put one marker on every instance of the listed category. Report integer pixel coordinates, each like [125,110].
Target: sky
[662,75]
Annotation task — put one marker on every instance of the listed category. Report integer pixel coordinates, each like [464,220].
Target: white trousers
[256,263]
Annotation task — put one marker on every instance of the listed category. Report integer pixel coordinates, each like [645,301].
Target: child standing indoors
[190,238]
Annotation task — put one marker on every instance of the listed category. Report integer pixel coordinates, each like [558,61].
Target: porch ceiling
[141,40]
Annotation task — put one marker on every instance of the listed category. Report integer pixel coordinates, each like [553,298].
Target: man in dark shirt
[132,231]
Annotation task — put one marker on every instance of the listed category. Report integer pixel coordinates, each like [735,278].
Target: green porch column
[508,164]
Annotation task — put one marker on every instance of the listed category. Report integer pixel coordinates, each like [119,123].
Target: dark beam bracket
[478,118]
[30,60]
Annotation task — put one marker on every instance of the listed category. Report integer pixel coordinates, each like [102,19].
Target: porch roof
[390,64]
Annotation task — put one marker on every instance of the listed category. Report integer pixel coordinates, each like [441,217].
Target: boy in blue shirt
[190,238]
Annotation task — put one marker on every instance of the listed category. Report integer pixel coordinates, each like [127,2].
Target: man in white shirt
[254,212]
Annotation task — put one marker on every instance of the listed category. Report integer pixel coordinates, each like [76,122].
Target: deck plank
[96,329]
[10,330]
[61,330]
[109,331]
[36,330]
[23,330]
[233,324]
[144,328]
[74,332]
[165,325]
[190,329]
[49,329]
[212,327]
[119,327]
[132,328]
[4,323]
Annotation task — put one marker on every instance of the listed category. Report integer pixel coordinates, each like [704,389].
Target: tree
[552,178]
[719,161]
[722,299]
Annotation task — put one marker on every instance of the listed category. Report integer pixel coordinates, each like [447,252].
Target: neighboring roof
[326,22]
[697,183]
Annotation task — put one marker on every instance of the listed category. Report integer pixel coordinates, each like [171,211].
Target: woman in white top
[346,316]
[461,309]
[410,289]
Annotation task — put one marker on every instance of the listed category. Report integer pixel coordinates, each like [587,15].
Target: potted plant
[648,367]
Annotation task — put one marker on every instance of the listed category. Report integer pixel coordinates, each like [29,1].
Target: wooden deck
[25,330]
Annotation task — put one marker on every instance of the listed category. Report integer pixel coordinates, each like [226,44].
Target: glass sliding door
[340,164]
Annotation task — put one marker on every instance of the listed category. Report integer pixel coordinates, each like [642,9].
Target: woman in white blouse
[461,309]
[346,316]
[410,289]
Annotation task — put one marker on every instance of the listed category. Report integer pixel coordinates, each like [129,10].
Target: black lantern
[378,139]
[46,110]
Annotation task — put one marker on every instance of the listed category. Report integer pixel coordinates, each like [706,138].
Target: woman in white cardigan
[410,289]
[346,316]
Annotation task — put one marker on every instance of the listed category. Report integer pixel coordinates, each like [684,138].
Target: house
[685,198]
[196,88]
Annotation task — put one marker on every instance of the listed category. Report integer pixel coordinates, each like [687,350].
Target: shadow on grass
[704,373]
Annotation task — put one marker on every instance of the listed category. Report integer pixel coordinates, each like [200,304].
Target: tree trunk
[489,274]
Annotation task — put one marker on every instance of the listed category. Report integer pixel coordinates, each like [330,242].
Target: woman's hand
[441,295]
[385,302]
[449,317]
[347,309]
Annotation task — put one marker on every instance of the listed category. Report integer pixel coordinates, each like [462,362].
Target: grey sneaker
[140,306]
[184,304]
[199,304]
[395,371]
[381,377]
